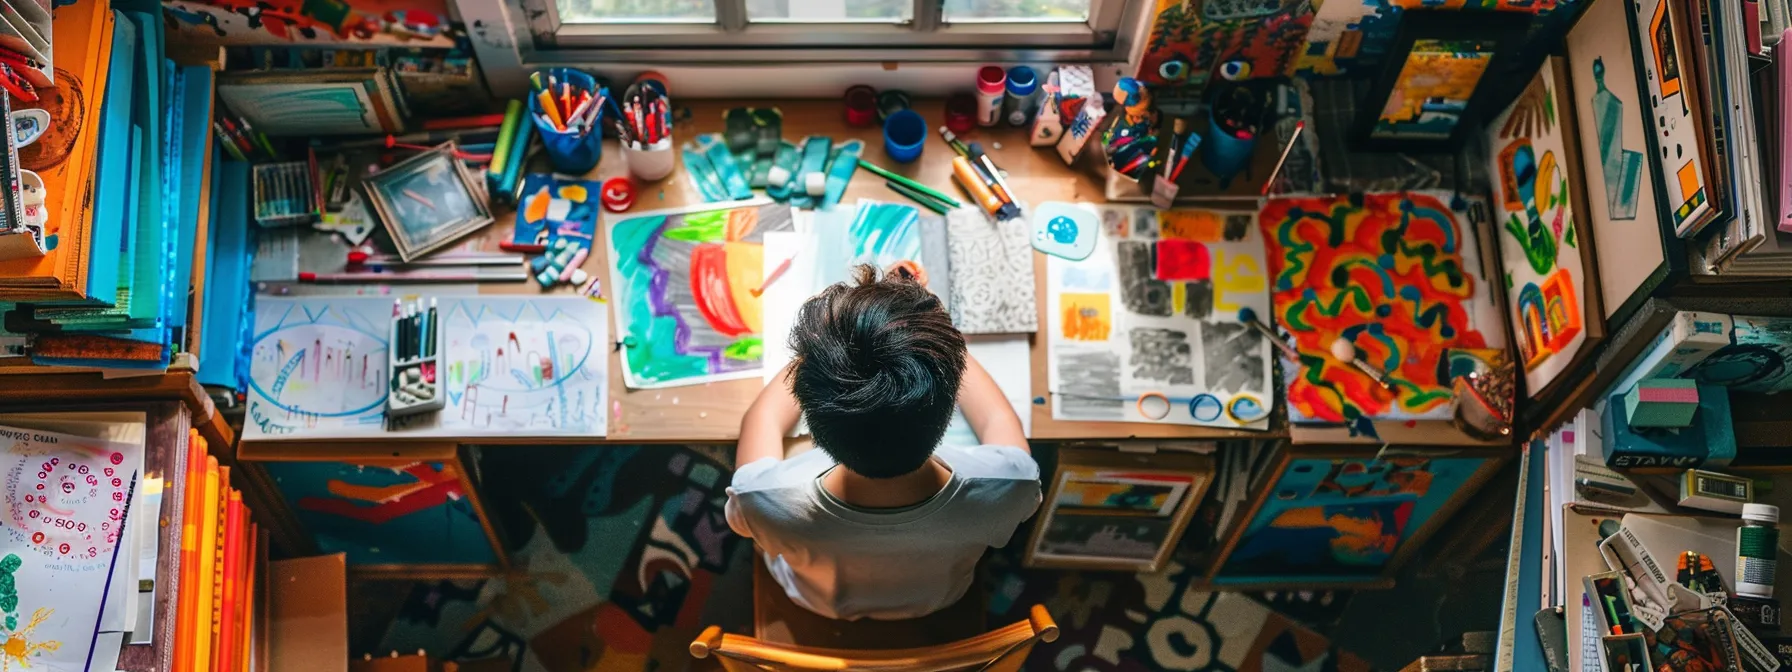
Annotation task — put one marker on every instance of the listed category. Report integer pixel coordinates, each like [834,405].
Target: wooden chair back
[1001,650]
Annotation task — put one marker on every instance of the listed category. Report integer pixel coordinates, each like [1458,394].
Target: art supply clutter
[567,107]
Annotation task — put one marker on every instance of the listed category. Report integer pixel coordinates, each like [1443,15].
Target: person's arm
[767,422]
[987,409]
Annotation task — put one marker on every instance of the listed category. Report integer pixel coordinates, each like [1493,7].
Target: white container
[650,164]
[992,87]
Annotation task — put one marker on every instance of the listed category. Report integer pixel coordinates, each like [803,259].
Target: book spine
[187,574]
[206,552]
[231,573]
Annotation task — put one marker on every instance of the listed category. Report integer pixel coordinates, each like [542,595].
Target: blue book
[195,128]
[149,263]
[227,293]
[112,161]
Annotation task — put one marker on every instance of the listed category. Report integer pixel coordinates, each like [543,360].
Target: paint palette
[1065,230]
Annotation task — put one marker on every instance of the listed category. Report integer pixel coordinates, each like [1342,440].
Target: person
[880,521]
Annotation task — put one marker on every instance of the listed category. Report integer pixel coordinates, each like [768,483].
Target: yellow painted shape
[1197,225]
[1087,316]
[1236,277]
[746,268]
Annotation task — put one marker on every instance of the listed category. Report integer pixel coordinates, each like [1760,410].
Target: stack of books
[218,569]
[128,206]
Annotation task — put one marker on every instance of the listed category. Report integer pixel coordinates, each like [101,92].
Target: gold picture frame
[1113,510]
[427,202]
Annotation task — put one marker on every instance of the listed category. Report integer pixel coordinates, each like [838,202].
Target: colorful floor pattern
[627,553]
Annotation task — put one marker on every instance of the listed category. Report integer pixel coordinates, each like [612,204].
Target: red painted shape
[709,284]
[1183,260]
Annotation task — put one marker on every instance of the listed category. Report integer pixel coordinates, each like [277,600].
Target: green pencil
[925,200]
[917,186]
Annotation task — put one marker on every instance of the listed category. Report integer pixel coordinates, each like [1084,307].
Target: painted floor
[621,555]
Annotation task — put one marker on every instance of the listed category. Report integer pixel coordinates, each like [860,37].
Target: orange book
[245,653]
[232,574]
[187,576]
[208,557]
[82,33]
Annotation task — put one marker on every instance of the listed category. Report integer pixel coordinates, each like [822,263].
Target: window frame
[734,40]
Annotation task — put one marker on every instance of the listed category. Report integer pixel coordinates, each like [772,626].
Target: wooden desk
[712,412]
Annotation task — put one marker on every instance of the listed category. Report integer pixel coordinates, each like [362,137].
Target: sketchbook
[306,102]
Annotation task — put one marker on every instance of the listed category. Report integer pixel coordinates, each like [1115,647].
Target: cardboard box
[308,614]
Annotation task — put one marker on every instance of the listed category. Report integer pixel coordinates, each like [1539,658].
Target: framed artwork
[1538,211]
[1677,122]
[1436,78]
[1633,252]
[393,518]
[1113,510]
[427,201]
[1344,517]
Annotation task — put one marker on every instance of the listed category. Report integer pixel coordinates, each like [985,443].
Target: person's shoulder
[990,462]
[773,474]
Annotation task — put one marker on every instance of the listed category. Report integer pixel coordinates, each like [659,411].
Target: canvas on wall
[364,23]
[1398,275]
[1353,36]
[1674,115]
[1544,249]
[397,514]
[1192,41]
[1340,519]
[1621,210]
[1148,329]
[682,286]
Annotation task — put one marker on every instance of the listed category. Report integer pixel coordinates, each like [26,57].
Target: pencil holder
[1227,148]
[648,145]
[575,145]
[904,134]
[414,355]
[1163,192]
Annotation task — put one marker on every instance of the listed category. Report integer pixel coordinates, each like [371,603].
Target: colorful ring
[1240,409]
[1153,416]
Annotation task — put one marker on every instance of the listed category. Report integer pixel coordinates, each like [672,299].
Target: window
[736,31]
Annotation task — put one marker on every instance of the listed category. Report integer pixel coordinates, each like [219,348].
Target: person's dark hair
[878,364]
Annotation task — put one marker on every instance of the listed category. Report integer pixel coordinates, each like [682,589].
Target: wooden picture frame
[1634,253]
[1436,80]
[1552,298]
[360,529]
[427,201]
[1135,499]
[1352,515]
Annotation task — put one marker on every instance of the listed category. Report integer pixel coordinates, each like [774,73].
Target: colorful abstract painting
[414,23]
[1539,227]
[1674,115]
[684,285]
[1343,519]
[1191,42]
[1759,358]
[1433,89]
[1148,329]
[399,514]
[1396,274]
[1610,132]
[555,208]
[615,551]
[1354,36]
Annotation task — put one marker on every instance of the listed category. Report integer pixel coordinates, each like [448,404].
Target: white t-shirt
[849,563]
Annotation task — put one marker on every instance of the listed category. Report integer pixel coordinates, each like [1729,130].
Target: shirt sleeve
[1019,504]
[737,519]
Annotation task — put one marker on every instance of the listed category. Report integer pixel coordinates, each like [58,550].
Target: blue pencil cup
[1225,150]
[904,134]
[577,148]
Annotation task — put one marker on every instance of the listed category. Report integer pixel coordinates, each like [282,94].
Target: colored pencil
[926,201]
[776,273]
[917,186]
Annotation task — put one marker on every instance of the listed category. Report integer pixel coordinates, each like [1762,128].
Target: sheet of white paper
[1008,360]
[143,629]
[61,537]
[105,651]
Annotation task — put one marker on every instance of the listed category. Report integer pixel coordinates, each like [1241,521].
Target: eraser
[815,184]
[778,176]
[579,276]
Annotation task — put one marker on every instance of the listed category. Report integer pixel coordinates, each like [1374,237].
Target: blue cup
[904,134]
[577,149]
